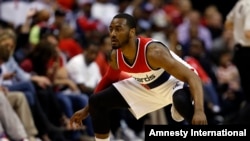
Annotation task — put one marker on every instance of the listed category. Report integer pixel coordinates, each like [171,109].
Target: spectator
[193,20]
[237,20]
[83,69]
[229,85]
[22,109]
[213,21]
[104,10]
[67,43]
[87,25]
[39,26]
[60,20]
[16,79]
[46,61]
[10,125]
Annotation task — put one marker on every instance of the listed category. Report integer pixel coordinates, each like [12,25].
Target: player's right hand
[78,117]
[199,118]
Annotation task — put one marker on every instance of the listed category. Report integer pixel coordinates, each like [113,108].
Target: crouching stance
[144,76]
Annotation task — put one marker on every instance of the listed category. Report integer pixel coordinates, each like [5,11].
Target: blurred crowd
[58,54]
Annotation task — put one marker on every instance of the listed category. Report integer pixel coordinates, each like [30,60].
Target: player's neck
[130,50]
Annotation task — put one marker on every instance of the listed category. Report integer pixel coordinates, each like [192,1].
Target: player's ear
[132,31]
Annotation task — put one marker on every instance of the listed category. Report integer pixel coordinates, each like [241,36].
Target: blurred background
[62,45]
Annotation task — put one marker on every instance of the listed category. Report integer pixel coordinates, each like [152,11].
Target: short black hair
[131,22]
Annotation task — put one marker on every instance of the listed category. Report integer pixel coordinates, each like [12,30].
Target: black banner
[192,132]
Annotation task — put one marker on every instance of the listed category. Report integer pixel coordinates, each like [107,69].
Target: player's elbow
[194,77]
[228,25]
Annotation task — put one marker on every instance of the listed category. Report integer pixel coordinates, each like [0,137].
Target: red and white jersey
[147,90]
[140,69]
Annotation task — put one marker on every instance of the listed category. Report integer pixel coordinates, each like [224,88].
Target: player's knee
[180,97]
[177,97]
[93,103]
[183,103]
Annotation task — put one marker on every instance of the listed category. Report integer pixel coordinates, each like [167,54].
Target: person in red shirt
[67,44]
[67,4]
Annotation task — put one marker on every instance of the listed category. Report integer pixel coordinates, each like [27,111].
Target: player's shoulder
[155,51]
[155,46]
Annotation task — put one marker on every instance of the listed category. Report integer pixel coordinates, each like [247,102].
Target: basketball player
[158,78]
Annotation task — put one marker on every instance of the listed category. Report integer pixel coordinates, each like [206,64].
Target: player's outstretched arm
[159,57]
[78,117]
[113,73]
[110,77]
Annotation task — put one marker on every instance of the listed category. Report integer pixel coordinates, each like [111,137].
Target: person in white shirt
[238,20]
[83,69]
[104,10]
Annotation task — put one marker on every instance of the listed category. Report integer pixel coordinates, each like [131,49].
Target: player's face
[119,33]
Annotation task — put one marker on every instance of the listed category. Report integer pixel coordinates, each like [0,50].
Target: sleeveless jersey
[140,69]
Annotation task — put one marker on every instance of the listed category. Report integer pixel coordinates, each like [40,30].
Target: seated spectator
[67,44]
[86,23]
[46,60]
[22,33]
[83,69]
[39,26]
[229,85]
[16,79]
[22,109]
[11,128]
[193,21]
